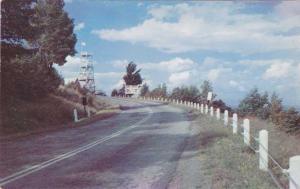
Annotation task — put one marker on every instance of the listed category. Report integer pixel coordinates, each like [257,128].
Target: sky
[237,46]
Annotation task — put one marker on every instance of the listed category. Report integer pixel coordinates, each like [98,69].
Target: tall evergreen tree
[132,76]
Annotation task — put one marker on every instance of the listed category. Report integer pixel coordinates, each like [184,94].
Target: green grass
[229,162]
[19,117]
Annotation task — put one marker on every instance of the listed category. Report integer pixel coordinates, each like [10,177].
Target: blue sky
[234,45]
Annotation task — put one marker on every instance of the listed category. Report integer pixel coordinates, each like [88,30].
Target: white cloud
[107,75]
[278,70]
[260,62]
[120,63]
[79,26]
[237,85]
[180,78]
[213,74]
[218,27]
[288,8]
[233,83]
[176,64]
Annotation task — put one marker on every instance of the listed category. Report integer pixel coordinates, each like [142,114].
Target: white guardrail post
[211,111]
[294,172]
[263,150]
[75,115]
[206,109]
[202,109]
[218,114]
[226,117]
[246,126]
[234,123]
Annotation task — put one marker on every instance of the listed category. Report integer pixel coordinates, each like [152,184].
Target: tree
[37,34]
[290,120]
[190,93]
[55,39]
[15,27]
[205,88]
[132,76]
[144,90]
[220,104]
[122,91]
[160,91]
[275,108]
[255,104]
[114,92]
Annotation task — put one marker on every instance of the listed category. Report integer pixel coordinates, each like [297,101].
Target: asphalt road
[148,145]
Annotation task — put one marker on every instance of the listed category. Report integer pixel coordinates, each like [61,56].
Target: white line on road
[64,156]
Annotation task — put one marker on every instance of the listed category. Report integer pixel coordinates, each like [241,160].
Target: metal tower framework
[86,75]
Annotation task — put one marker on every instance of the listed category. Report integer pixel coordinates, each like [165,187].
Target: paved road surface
[148,145]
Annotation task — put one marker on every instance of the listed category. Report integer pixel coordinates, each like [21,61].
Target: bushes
[36,35]
[114,92]
[190,93]
[289,120]
[160,91]
[25,78]
[256,104]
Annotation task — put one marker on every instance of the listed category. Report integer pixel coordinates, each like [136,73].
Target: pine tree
[132,76]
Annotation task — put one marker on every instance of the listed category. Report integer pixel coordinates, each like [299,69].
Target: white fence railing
[292,174]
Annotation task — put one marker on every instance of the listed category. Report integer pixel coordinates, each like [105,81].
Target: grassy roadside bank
[227,161]
[19,117]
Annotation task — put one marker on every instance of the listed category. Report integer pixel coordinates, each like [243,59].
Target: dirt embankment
[20,117]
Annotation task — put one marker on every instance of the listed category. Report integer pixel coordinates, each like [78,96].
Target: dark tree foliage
[114,92]
[255,104]
[15,27]
[35,35]
[160,91]
[220,104]
[145,90]
[55,39]
[206,87]
[122,91]
[132,76]
[289,120]
[190,93]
